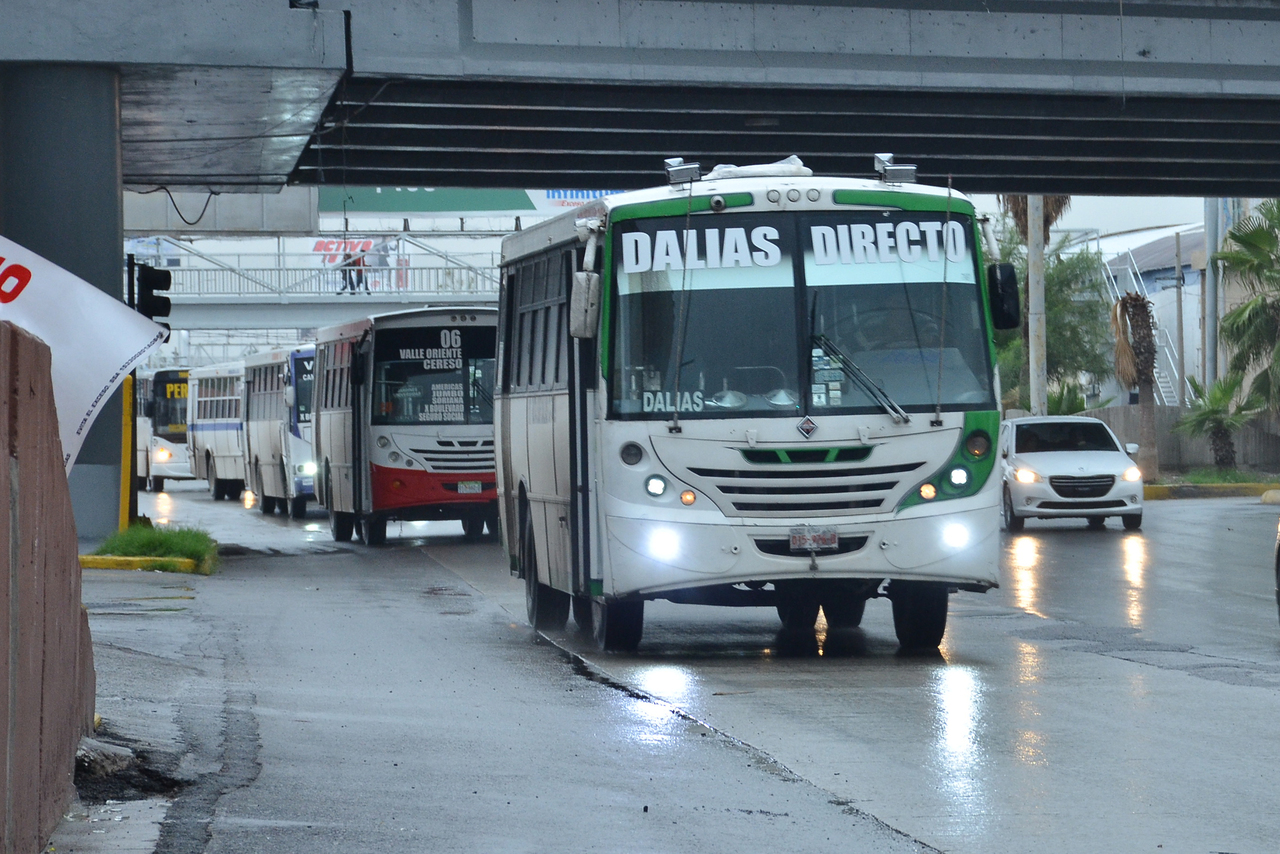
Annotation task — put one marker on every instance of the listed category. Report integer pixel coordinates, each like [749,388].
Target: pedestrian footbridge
[307,291]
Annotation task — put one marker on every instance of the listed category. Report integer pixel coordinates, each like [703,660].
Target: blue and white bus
[215,432]
[278,458]
[161,428]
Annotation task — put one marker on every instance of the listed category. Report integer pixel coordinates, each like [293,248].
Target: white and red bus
[403,426]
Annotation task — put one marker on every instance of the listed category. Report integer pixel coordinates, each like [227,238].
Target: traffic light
[151,280]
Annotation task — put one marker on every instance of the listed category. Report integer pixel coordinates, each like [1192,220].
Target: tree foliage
[1215,413]
[1078,339]
[1252,330]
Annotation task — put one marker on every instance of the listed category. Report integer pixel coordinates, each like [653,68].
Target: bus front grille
[795,491]
[447,456]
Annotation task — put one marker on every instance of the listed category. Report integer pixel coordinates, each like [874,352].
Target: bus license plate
[809,539]
[469,487]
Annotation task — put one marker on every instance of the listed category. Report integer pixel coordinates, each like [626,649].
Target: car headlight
[1026,476]
[1132,473]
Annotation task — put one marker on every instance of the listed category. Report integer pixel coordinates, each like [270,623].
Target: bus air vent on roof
[790,167]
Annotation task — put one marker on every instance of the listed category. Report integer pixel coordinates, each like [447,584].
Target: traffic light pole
[128,447]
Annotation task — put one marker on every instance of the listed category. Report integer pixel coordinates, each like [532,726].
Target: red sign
[13,279]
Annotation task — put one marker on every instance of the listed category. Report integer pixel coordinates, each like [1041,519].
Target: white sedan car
[1067,466]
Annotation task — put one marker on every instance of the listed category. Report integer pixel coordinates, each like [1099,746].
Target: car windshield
[1063,436]
[708,321]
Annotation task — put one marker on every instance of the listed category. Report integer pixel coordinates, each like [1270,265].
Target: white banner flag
[94,340]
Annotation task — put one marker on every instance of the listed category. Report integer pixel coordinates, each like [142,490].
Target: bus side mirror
[1002,285]
[290,396]
[149,409]
[584,305]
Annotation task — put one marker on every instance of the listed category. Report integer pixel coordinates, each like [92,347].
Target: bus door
[582,371]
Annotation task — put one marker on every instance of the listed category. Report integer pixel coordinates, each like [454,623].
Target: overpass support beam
[60,196]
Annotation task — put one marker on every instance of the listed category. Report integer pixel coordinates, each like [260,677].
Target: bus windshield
[304,375]
[433,375]
[169,405]
[764,313]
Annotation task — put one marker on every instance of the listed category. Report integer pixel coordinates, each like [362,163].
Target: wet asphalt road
[1118,693]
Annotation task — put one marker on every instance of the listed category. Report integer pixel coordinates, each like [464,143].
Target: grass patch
[146,541]
[1216,475]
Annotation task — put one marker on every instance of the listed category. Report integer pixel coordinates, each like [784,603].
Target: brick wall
[46,656]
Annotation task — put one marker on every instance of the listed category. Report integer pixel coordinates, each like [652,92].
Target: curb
[178,564]
[1153,492]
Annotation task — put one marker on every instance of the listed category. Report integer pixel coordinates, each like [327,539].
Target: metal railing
[312,282]
[1166,368]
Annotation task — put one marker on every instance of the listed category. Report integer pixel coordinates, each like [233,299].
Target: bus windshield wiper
[859,376]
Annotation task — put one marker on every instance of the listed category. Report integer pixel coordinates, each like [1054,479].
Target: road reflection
[1024,564]
[958,697]
[1135,567]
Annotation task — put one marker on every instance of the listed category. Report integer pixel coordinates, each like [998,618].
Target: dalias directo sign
[94,340]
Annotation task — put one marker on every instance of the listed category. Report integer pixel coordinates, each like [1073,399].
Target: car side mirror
[1131,448]
[1002,289]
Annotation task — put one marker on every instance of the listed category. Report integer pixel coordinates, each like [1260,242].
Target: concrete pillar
[1035,306]
[60,196]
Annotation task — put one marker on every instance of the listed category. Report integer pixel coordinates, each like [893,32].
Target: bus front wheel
[473,526]
[919,613]
[298,507]
[341,525]
[547,608]
[157,484]
[375,530]
[617,625]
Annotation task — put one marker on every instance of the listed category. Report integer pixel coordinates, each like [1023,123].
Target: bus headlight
[655,485]
[163,455]
[688,497]
[955,535]
[394,456]
[959,476]
[631,453]
[1026,476]
[383,441]
[310,469]
[664,545]
[928,491]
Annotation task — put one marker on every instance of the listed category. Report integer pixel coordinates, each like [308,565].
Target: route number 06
[451,338]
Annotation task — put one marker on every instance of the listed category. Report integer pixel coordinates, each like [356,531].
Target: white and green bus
[757,388]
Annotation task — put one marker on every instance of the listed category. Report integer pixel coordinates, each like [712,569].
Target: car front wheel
[1012,522]
[1132,522]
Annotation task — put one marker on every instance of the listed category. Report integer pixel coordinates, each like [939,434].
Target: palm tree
[1213,415]
[1252,329]
[1134,329]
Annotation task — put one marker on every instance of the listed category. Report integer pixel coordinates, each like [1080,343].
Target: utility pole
[1182,379]
[1035,305]
[1211,241]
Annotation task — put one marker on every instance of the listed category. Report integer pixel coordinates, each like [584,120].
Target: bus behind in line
[404,421]
[214,428]
[161,428]
[277,429]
